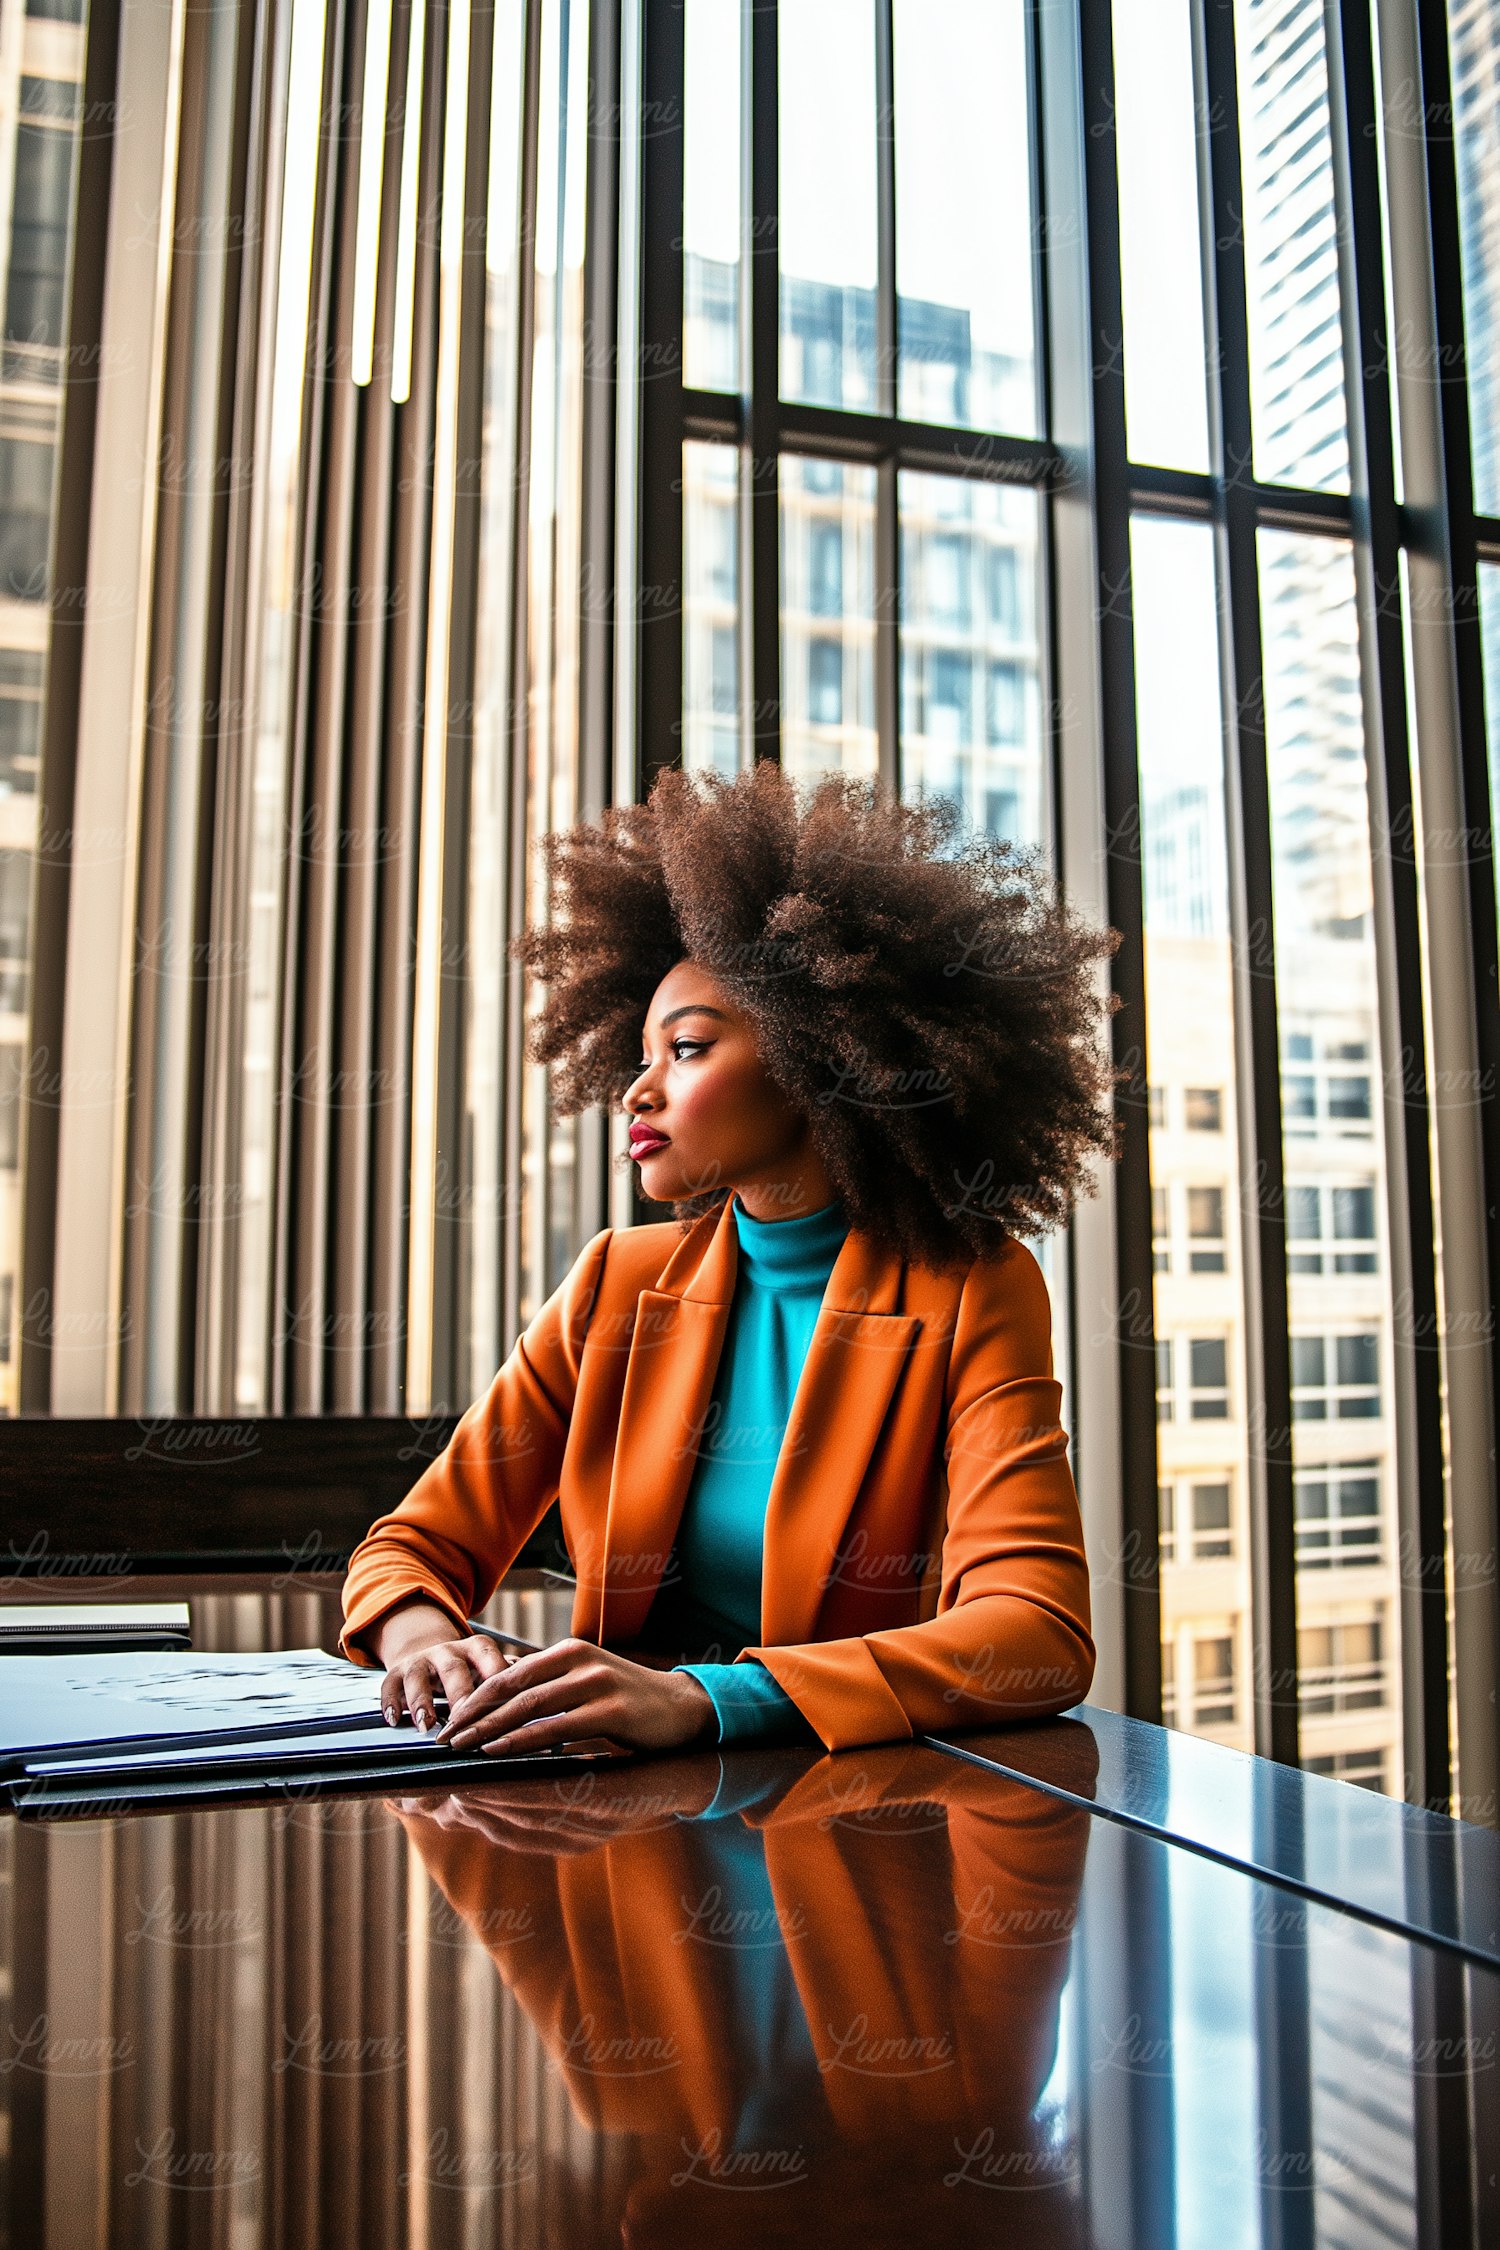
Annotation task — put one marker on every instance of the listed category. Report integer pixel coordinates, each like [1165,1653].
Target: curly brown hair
[918,990]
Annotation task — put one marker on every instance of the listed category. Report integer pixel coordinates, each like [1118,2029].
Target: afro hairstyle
[918,990]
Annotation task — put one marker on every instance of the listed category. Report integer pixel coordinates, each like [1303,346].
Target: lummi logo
[743,2169]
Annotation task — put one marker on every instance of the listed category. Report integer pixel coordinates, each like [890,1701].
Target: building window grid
[1342,1668]
[1189,1228]
[1335,1100]
[1192,1378]
[1366,1769]
[1340,1523]
[1197,1519]
[1326,1084]
[1332,1227]
[1201,1672]
[1336,1377]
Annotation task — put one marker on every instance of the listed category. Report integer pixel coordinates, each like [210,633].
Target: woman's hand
[574,1689]
[424,1658]
[563,1820]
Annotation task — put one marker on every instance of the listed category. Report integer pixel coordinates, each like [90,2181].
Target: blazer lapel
[859,1347]
[675,1346]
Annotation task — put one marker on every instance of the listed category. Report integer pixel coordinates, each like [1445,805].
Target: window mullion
[1459,916]
[1248,834]
[762,263]
[1092,725]
[887,346]
[1377,563]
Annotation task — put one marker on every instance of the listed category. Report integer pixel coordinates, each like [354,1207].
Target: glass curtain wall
[1314,945]
[1304,1461]
[1288,732]
[910,597]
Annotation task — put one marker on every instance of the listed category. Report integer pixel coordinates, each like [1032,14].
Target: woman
[810,1425]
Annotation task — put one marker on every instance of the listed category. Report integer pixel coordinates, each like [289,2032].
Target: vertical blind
[373,655]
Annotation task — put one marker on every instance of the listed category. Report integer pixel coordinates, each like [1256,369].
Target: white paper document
[84,1701]
[292,1683]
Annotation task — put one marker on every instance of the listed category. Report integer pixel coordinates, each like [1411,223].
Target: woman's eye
[693,1046]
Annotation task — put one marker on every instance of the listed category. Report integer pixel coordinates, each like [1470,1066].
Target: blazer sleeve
[459,1529]
[1011,1636]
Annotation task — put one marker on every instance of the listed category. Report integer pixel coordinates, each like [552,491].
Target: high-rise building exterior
[1474,43]
[1321,941]
[970,716]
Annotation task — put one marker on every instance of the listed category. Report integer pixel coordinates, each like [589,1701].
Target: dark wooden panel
[294,1493]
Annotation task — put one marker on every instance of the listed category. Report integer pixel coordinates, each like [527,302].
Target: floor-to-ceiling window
[880,436]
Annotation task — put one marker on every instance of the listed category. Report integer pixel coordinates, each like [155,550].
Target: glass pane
[827,618]
[40,93]
[971,720]
[1161,276]
[711,701]
[1333,1140]
[964,230]
[827,219]
[1197,1295]
[970,666]
[711,195]
[1299,427]
[1474,36]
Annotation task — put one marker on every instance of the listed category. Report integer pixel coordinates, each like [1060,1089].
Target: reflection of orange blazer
[923,1561]
[926,1908]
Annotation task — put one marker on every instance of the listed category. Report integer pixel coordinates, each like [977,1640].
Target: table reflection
[828,1999]
[891,1996]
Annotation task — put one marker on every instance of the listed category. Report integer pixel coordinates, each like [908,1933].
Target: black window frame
[1090,489]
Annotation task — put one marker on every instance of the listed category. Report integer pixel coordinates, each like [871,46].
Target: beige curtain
[371,662]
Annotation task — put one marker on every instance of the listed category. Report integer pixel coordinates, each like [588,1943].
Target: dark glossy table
[1078,1984]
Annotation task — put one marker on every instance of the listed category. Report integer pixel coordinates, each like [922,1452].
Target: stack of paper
[90,1732]
[38,1628]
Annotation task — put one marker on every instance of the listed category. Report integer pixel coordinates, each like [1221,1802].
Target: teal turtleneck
[781,1276]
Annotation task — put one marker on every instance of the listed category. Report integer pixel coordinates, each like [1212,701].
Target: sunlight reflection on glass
[827,218]
[1161,278]
[964,221]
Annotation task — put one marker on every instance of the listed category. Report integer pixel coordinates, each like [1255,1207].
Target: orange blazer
[923,1564]
[924,1913]
[938,1901]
